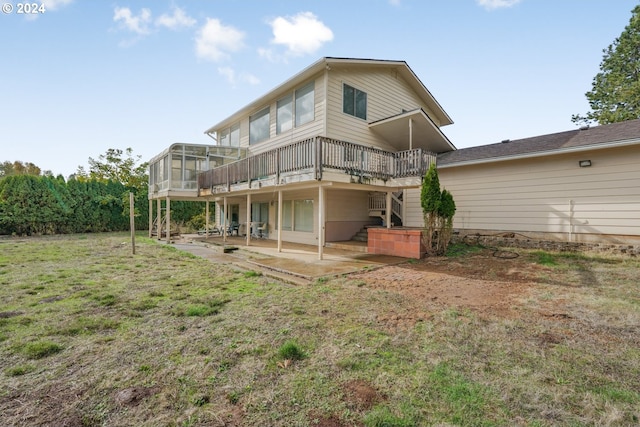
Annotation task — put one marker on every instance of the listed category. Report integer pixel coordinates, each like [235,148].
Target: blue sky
[88,75]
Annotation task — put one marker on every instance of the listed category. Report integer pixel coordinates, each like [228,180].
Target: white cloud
[302,34]
[269,55]
[233,78]
[138,24]
[215,40]
[178,20]
[228,73]
[54,4]
[394,2]
[497,4]
[250,78]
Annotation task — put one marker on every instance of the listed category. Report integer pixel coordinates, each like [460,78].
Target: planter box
[402,242]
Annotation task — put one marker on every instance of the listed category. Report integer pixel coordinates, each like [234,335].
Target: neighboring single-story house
[581,185]
[344,144]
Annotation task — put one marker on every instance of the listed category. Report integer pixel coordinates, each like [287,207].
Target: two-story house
[329,151]
[345,143]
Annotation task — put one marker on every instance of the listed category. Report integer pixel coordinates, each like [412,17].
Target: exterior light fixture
[584,163]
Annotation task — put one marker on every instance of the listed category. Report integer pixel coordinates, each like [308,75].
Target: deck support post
[410,134]
[248,227]
[320,222]
[159,219]
[224,220]
[168,220]
[387,211]
[206,219]
[150,217]
[279,220]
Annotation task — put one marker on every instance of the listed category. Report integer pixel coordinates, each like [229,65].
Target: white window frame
[355,94]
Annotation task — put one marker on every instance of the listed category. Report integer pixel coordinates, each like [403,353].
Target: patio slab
[294,262]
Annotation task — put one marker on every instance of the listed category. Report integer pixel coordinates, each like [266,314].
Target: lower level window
[297,215]
[303,215]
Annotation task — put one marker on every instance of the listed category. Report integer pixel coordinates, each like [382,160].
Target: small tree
[438,209]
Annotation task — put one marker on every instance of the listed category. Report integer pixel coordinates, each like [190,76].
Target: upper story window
[303,107]
[305,104]
[284,114]
[259,126]
[354,101]
[223,139]
[230,137]
[234,137]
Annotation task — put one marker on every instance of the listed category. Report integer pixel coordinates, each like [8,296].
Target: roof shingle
[615,132]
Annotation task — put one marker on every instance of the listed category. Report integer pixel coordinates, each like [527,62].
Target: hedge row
[31,204]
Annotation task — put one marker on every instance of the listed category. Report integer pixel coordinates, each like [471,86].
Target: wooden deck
[313,159]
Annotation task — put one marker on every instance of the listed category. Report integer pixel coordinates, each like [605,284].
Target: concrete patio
[296,263]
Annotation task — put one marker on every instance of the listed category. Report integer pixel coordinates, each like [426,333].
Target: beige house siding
[413,209]
[387,95]
[550,194]
[346,213]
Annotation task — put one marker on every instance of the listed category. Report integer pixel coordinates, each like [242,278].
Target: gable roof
[325,64]
[615,134]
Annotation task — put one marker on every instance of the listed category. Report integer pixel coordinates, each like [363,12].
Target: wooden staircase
[378,206]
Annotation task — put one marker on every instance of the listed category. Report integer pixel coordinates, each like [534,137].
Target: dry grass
[91,335]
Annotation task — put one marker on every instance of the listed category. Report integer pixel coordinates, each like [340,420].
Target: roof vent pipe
[504,141]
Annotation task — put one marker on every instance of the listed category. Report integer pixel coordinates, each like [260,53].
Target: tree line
[93,201]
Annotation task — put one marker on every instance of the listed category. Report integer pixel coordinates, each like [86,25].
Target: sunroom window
[354,101]
[230,137]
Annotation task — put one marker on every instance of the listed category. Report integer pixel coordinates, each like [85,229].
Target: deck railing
[315,155]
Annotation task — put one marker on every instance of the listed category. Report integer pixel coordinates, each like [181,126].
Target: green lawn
[91,335]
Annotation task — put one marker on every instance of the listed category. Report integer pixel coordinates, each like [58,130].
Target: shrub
[438,209]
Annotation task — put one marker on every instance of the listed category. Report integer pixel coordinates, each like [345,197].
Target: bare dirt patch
[8,314]
[132,396]
[362,394]
[483,283]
